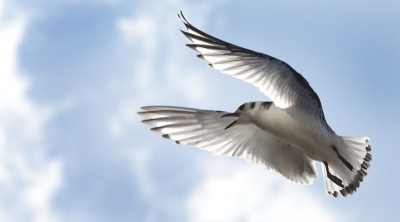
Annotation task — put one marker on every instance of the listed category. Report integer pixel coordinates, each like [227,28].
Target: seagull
[287,135]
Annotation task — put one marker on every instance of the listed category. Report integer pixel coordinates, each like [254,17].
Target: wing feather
[205,129]
[275,78]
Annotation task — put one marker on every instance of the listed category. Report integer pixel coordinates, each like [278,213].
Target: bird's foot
[333,178]
[348,165]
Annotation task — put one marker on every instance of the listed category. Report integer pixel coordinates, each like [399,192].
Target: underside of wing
[276,79]
[205,129]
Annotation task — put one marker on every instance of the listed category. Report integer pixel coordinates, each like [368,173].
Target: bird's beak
[230,125]
[231,115]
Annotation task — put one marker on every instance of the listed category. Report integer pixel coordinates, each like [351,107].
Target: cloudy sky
[74,73]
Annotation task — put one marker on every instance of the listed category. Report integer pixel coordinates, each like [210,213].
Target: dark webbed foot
[334,179]
[343,159]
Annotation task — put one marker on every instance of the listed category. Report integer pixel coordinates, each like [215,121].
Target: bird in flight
[287,134]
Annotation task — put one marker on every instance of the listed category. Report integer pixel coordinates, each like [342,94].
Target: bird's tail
[354,151]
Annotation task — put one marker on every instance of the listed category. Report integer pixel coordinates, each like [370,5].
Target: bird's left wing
[205,129]
[276,79]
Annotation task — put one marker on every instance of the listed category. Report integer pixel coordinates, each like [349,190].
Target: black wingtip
[200,56]
[192,46]
[183,17]
[142,113]
[186,34]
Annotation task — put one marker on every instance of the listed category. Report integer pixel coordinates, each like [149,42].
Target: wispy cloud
[28,178]
[153,40]
[241,192]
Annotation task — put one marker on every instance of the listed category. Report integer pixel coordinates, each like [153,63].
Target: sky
[73,75]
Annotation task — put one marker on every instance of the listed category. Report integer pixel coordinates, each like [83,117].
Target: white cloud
[43,185]
[140,158]
[141,34]
[241,192]
[142,29]
[159,65]
[28,180]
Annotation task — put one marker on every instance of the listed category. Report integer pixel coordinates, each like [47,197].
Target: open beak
[231,115]
[230,125]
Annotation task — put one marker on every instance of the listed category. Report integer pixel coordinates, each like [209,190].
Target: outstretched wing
[276,79]
[205,129]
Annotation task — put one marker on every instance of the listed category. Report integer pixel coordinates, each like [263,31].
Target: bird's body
[278,123]
[287,135]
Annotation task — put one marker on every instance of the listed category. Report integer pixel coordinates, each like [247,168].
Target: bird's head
[244,113]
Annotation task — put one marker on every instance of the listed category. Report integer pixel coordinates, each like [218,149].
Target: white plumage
[286,135]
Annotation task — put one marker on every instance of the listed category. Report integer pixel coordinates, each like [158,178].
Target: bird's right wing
[205,129]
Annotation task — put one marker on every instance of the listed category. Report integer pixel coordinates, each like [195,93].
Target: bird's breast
[278,123]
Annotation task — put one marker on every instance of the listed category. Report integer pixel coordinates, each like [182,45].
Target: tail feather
[356,151]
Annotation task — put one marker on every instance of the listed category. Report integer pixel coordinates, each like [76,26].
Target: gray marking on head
[266,104]
[252,105]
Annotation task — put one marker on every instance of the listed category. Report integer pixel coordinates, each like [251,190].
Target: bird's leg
[343,159]
[334,179]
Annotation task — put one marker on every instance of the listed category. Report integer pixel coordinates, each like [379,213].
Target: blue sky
[74,73]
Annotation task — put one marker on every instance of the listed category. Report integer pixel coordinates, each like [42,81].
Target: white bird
[287,135]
